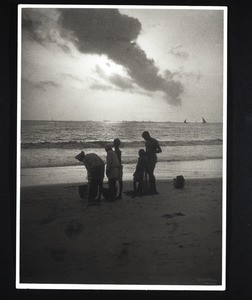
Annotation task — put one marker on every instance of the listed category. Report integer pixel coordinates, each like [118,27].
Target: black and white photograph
[121,147]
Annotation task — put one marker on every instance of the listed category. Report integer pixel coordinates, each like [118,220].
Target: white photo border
[221,287]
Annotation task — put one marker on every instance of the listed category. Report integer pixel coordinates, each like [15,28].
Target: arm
[109,163]
[158,149]
[155,146]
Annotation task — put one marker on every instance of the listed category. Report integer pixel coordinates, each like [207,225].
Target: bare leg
[135,186]
[100,187]
[152,179]
[120,189]
[112,188]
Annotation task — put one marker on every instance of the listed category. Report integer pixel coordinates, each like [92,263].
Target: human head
[108,147]
[146,135]
[80,156]
[141,152]
[117,142]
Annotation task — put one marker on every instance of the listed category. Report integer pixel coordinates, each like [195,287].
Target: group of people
[114,170]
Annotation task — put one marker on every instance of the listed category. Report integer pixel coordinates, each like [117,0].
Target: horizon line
[115,121]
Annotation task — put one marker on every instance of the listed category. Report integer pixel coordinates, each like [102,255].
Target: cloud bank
[103,32]
[107,31]
[122,82]
[178,53]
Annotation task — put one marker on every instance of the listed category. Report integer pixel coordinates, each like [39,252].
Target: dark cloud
[41,25]
[178,53]
[45,84]
[106,31]
[70,76]
[122,82]
[168,75]
[34,23]
[188,75]
[65,48]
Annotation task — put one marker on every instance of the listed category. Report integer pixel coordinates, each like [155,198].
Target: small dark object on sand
[167,216]
[179,214]
[73,228]
[179,182]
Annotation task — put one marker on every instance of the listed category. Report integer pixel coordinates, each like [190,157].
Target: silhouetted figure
[152,148]
[140,173]
[112,169]
[118,152]
[95,171]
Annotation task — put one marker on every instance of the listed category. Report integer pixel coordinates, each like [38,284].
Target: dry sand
[173,238]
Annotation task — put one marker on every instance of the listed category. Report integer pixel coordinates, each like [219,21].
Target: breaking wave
[101,144]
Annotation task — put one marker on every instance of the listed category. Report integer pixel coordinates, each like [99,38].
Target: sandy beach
[174,238]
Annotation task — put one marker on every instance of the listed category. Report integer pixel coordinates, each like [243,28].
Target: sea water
[48,145]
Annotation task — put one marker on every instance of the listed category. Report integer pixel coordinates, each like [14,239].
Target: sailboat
[203,120]
[185,121]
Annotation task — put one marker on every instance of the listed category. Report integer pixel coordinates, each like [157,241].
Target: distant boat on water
[185,121]
[203,120]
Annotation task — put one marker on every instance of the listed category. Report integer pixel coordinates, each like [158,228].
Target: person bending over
[95,171]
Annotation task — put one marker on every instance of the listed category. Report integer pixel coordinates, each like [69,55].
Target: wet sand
[174,238]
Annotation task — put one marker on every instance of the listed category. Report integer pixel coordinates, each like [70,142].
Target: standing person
[118,152]
[152,148]
[140,173]
[95,170]
[112,169]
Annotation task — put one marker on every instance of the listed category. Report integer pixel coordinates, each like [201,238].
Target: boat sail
[185,121]
[203,120]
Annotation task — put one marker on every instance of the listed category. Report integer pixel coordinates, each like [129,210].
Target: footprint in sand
[73,228]
[173,226]
[123,258]
[167,216]
[179,214]
[126,244]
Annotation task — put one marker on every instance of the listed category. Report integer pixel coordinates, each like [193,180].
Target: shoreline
[210,168]
[127,182]
[173,238]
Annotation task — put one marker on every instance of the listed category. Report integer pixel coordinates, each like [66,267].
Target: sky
[121,64]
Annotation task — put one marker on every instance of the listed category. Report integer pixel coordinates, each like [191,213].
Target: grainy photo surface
[121,147]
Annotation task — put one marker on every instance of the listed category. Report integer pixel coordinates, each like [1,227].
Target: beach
[173,238]
[158,241]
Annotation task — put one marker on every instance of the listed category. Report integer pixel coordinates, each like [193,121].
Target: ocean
[54,144]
